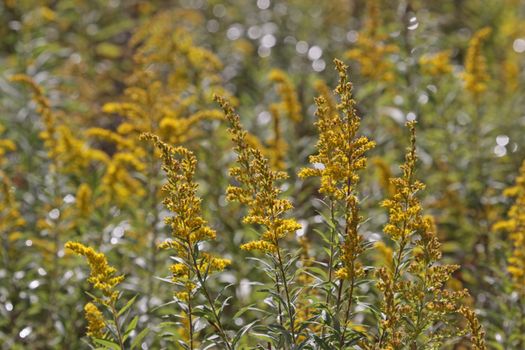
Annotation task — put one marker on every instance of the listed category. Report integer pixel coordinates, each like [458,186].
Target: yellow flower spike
[259,192]
[11,219]
[515,227]
[264,246]
[188,229]
[340,156]
[83,200]
[476,75]
[179,164]
[95,319]
[437,64]
[370,50]
[69,154]
[102,274]
[340,150]
[285,88]
[413,283]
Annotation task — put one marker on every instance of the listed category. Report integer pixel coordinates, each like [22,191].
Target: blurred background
[113,69]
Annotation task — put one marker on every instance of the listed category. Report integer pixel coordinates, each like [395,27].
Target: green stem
[117,325]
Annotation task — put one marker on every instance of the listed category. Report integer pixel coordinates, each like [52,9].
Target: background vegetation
[80,81]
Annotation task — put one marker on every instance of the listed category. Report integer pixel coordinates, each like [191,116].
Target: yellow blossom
[95,319]
[69,154]
[188,226]
[413,282]
[84,200]
[285,88]
[370,50]
[341,154]
[515,226]
[102,274]
[436,64]
[258,190]
[476,76]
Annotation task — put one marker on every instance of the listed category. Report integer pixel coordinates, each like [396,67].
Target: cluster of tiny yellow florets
[11,219]
[290,102]
[83,199]
[102,275]
[404,209]
[6,146]
[371,50]
[476,76]
[69,154]
[341,154]
[187,225]
[436,64]
[412,283]
[515,226]
[258,190]
[95,319]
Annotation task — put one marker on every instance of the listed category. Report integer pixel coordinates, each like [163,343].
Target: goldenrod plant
[192,266]
[258,191]
[514,225]
[341,155]
[261,222]
[112,332]
[417,310]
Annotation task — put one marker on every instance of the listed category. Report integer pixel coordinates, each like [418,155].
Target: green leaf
[136,341]
[107,344]
[131,327]
[127,306]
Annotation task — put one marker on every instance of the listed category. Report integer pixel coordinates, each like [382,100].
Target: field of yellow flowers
[262,174]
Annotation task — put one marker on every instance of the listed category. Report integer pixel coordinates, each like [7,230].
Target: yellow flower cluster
[102,274]
[95,319]
[6,146]
[437,64]
[83,199]
[340,156]
[413,282]
[11,219]
[278,147]
[341,152]
[286,89]
[69,154]
[477,334]
[404,209]
[515,226]
[154,101]
[187,225]
[371,50]
[258,190]
[476,76]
